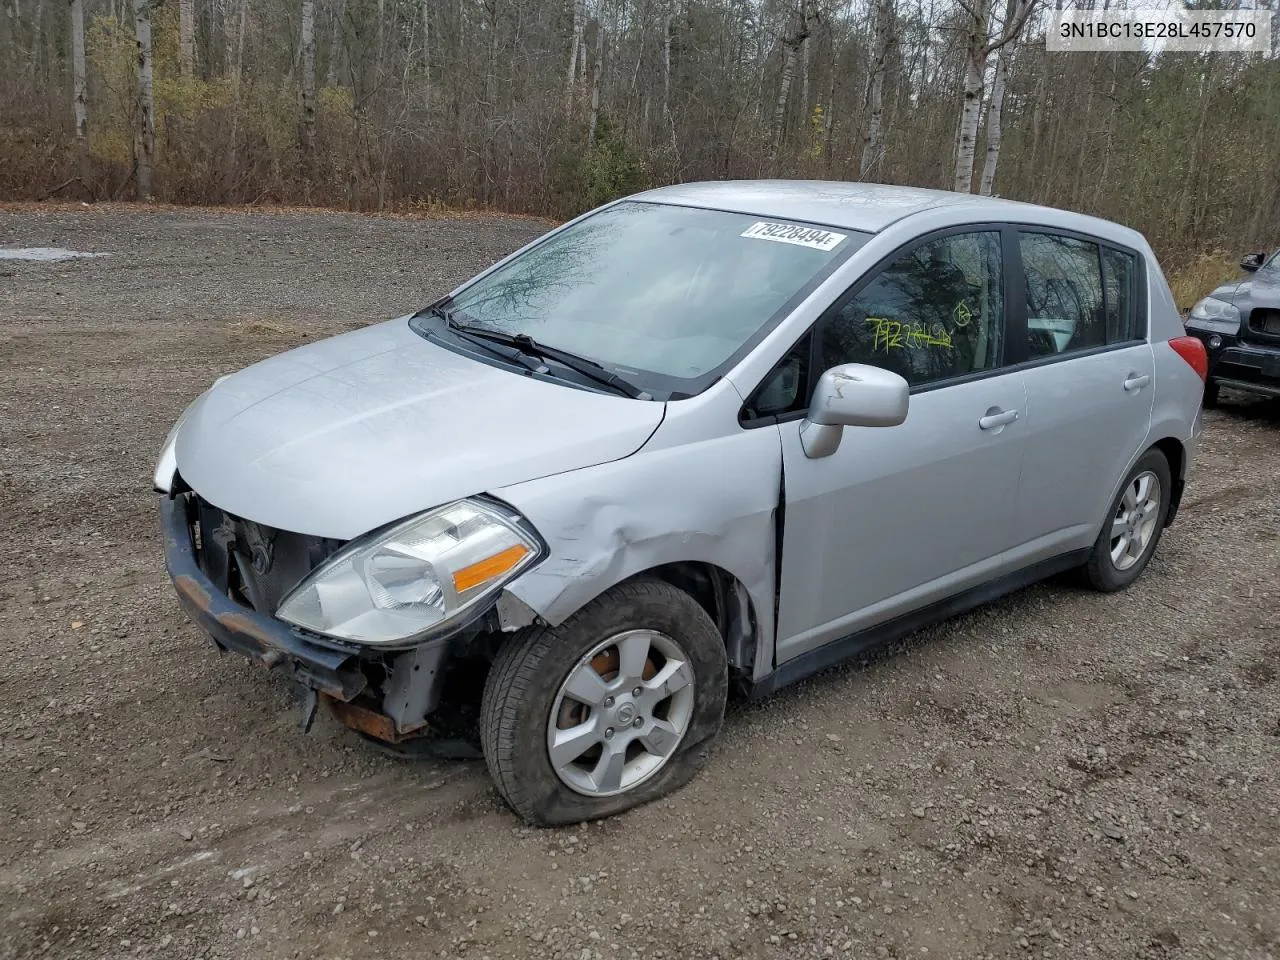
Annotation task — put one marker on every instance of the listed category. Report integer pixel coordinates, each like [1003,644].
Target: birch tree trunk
[979,47]
[335,47]
[237,64]
[228,37]
[309,75]
[37,24]
[966,138]
[79,98]
[791,45]
[146,100]
[187,37]
[994,124]
[828,118]
[426,52]
[780,106]
[668,119]
[595,82]
[805,53]
[574,45]
[873,141]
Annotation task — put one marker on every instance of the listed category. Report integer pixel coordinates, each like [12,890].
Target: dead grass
[258,328]
[1196,278]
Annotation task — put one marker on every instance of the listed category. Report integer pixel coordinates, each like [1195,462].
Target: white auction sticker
[811,237]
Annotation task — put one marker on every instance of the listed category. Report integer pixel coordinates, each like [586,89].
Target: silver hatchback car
[710,436]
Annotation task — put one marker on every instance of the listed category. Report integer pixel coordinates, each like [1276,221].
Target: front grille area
[1266,321]
[254,564]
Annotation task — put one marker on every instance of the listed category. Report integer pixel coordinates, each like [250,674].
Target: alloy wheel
[620,713]
[1134,524]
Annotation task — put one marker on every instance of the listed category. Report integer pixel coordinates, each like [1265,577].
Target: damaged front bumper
[385,696]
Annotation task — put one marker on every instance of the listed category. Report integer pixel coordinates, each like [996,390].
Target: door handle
[1137,381]
[997,418]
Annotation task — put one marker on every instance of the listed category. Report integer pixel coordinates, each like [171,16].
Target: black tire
[527,675]
[1210,394]
[1100,571]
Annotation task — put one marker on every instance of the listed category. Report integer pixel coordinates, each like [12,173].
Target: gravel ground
[1059,774]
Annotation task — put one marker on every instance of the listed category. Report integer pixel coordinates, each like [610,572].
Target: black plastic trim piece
[838,651]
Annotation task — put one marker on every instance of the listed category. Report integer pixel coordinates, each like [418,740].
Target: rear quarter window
[1120,289]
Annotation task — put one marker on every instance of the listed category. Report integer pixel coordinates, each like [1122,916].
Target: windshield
[666,296]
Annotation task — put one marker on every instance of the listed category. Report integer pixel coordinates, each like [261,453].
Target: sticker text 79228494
[812,237]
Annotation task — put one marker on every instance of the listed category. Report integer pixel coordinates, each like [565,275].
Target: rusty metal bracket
[413,687]
[310,703]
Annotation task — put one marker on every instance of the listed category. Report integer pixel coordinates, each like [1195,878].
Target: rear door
[1088,373]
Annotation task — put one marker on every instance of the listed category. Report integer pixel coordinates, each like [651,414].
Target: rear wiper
[530,347]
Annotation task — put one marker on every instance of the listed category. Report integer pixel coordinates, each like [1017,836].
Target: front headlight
[402,582]
[1216,315]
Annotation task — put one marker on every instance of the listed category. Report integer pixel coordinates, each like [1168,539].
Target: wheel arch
[727,602]
[1176,454]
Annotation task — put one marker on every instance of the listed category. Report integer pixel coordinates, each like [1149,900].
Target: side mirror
[1252,261]
[852,395]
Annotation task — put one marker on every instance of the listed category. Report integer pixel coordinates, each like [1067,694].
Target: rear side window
[1119,271]
[1065,311]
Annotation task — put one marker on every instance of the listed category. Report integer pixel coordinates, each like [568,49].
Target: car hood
[339,437]
[1230,292]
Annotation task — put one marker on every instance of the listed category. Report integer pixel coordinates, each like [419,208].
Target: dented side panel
[678,500]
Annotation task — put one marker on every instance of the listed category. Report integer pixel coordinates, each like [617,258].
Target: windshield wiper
[512,355]
[525,344]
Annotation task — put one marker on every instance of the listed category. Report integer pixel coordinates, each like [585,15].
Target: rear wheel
[1133,526]
[609,710]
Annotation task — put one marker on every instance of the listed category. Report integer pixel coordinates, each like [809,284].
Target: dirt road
[1060,774]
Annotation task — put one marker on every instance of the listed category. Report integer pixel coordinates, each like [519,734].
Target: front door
[901,516]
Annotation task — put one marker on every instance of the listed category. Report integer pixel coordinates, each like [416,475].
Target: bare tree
[884,29]
[426,52]
[595,81]
[309,75]
[146,100]
[335,46]
[806,18]
[995,108]
[579,16]
[681,90]
[187,37]
[79,95]
[978,48]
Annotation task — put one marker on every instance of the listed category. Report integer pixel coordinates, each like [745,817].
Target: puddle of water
[43,254]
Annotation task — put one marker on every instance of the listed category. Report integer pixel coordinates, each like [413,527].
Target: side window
[1123,322]
[1064,294]
[934,313]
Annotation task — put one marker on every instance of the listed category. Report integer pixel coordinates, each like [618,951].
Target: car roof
[869,207]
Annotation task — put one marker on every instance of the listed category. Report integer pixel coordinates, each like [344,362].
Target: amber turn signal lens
[485,570]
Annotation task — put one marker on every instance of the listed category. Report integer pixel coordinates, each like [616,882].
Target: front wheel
[1133,526]
[607,711]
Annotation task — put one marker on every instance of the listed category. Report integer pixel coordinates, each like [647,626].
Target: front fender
[710,501]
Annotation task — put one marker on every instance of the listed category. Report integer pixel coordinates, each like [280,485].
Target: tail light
[1192,350]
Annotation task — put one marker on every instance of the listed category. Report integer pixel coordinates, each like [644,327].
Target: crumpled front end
[230,575]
